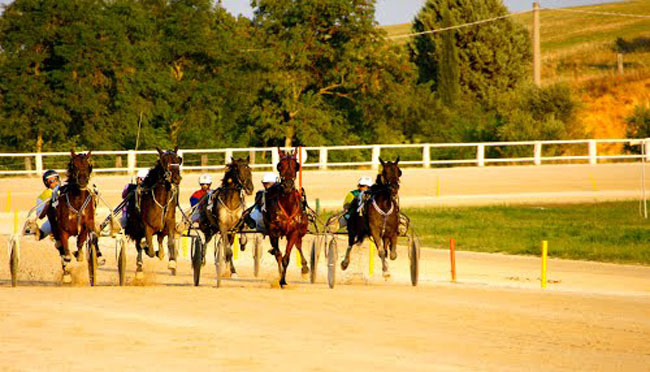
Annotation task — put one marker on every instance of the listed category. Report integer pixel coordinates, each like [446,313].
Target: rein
[167,203]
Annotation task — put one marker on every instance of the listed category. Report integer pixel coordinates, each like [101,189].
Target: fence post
[130,162]
[480,155]
[593,153]
[322,158]
[426,156]
[646,143]
[375,157]
[228,156]
[537,150]
[39,163]
[275,157]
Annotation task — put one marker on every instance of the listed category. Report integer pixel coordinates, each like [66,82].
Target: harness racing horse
[73,213]
[153,209]
[284,214]
[379,217]
[226,205]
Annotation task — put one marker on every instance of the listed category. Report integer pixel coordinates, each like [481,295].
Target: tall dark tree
[492,56]
[448,73]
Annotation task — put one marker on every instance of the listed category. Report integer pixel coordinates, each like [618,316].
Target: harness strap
[79,212]
[383,214]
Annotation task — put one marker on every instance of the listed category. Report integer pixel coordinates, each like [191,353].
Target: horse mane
[70,179]
[230,174]
[155,174]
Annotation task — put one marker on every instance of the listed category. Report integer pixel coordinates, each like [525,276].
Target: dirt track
[592,317]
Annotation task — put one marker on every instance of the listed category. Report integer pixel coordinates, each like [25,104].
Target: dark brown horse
[153,210]
[226,205]
[380,216]
[73,214]
[284,214]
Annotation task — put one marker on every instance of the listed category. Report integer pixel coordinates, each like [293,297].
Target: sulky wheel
[313,258]
[332,257]
[14,254]
[257,255]
[92,259]
[121,260]
[414,258]
[197,259]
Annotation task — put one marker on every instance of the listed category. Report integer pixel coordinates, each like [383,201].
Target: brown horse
[226,205]
[153,210]
[73,213]
[284,214]
[380,217]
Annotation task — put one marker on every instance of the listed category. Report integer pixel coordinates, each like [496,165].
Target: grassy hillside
[578,49]
[578,46]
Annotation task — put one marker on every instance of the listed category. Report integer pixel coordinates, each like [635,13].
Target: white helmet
[205,179]
[270,177]
[142,173]
[365,181]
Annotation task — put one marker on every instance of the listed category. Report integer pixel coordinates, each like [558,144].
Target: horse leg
[64,251]
[171,249]
[148,237]
[291,240]
[227,248]
[346,259]
[275,251]
[230,253]
[81,239]
[303,260]
[381,250]
[161,251]
[393,247]
[138,270]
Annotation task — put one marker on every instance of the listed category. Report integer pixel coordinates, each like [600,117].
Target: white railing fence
[444,154]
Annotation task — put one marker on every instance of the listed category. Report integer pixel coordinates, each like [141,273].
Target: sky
[390,12]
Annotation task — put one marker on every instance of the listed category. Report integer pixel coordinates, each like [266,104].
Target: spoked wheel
[197,259]
[121,260]
[313,258]
[92,260]
[14,254]
[414,257]
[332,257]
[218,257]
[257,255]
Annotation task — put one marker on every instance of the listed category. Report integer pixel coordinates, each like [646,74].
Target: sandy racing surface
[592,316]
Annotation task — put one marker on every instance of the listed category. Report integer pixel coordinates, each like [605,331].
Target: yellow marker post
[438,187]
[593,182]
[371,258]
[235,247]
[15,221]
[9,201]
[544,255]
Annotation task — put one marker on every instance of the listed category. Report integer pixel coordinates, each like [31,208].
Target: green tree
[448,72]
[492,56]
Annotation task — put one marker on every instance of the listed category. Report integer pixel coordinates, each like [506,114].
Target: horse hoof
[160,254]
[305,270]
[393,255]
[386,274]
[151,253]
[344,264]
[67,278]
[171,265]
[233,275]
[139,275]
[283,283]
[79,255]
[101,261]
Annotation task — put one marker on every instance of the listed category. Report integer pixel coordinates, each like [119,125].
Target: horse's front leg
[148,237]
[227,239]
[81,239]
[275,251]
[351,239]
[64,251]
[291,241]
[171,246]
[381,250]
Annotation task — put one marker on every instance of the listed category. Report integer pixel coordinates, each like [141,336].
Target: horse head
[171,165]
[390,175]
[239,171]
[79,169]
[288,167]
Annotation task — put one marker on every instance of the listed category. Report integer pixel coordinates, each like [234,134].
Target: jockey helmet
[365,181]
[50,173]
[270,177]
[142,173]
[205,179]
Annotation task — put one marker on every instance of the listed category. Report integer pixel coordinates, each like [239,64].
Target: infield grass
[606,232]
